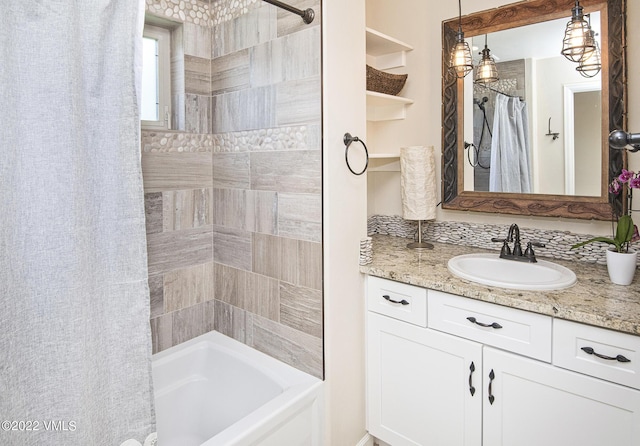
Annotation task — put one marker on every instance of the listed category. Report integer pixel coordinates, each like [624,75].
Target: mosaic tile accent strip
[558,243]
[194,11]
[227,10]
[279,138]
[176,142]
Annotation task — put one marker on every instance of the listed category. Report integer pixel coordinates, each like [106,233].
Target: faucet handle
[528,253]
[505,251]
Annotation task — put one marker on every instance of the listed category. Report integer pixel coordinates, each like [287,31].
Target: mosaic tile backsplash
[558,243]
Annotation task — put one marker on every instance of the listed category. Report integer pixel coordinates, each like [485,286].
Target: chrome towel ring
[348,139]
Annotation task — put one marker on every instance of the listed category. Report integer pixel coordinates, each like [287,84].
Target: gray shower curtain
[74,311]
[510,167]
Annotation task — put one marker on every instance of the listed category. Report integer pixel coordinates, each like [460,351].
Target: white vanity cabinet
[421,345]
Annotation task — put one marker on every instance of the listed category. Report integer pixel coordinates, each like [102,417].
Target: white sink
[490,269]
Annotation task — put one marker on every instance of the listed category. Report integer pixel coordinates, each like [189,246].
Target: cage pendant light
[591,64]
[460,62]
[577,42]
[487,71]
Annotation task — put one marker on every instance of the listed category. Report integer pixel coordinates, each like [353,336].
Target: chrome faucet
[516,254]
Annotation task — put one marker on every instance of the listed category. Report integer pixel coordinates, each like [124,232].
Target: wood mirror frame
[614,96]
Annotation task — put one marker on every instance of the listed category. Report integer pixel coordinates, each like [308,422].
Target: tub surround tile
[266,255]
[592,300]
[226,284]
[178,249]
[230,72]
[291,346]
[230,320]
[174,170]
[197,75]
[299,137]
[291,23]
[254,211]
[301,309]
[247,109]
[162,332]
[232,247]
[300,216]
[289,260]
[153,212]
[153,141]
[295,171]
[291,109]
[249,291]
[156,295]
[248,30]
[196,12]
[187,209]
[262,211]
[196,40]
[191,322]
[198,111]
[231,171]
[310,260]
[186,287]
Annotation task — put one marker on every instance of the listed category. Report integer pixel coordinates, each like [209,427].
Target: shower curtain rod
[307,15]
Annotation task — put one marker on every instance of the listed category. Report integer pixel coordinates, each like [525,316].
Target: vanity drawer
[398,300]
[619,359]
[507,328]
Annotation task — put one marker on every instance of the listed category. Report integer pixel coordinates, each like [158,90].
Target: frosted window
[150,94]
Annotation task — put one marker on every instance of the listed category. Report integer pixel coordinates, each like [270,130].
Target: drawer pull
[403,302]
[492,325]
[472,369]
[491,378]
[619,358]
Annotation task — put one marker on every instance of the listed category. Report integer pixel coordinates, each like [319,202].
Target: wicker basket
[386,83]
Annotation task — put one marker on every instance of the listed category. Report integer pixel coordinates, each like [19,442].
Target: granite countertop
[592,300]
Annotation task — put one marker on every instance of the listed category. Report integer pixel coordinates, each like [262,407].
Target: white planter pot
[621,266]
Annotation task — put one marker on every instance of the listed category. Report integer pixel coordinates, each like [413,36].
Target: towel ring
[348,139]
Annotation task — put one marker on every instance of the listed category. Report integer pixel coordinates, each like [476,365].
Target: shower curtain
[510,168]
[74,309]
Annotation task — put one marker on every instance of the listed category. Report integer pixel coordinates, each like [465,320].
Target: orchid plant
[626,231]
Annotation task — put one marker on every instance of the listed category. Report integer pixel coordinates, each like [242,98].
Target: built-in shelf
[384,52]
[385,107]
[384,155]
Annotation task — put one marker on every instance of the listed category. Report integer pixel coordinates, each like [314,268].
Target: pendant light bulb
[577,42]
[460,61]
[487,71]
[591,64]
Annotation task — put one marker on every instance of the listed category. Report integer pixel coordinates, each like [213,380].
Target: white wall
[344,217]
[423,125]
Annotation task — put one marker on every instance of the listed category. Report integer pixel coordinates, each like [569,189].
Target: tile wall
[233,199]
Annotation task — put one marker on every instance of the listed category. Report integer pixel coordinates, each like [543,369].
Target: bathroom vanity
[451,362]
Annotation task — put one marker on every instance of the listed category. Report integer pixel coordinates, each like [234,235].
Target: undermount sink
[490,269]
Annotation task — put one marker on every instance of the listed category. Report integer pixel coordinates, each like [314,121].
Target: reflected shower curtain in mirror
[510,167]
[75,345]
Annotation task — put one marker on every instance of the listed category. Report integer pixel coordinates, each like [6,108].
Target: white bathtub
[214,390]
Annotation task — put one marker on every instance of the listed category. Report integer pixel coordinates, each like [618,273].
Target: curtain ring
[348,139]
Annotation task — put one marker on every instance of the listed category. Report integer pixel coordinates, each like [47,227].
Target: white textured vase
[621,266]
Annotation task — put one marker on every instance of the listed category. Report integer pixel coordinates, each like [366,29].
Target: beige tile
[230,72]
[186,209]
[191,322]
[198,110]
[253,28]
[298,102]
[300,216]
[178,249]
[248,109]
[301,54]
[289,260]
[196,40]
[232,247]
[197,73]
[156,295]
[266,255]
[153,212]
[301,308]
[230,320]
[291,346]
[186,287]
[230,208]
[262,211]
[162,332]
[226,284]
[175,170]
[266,63]
[260,295]
[310,265]
[231,170]
[296,171]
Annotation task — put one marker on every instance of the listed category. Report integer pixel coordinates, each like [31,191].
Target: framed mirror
[569,164]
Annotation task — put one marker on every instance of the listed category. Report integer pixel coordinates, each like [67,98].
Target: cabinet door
[537,404]
[419,385]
